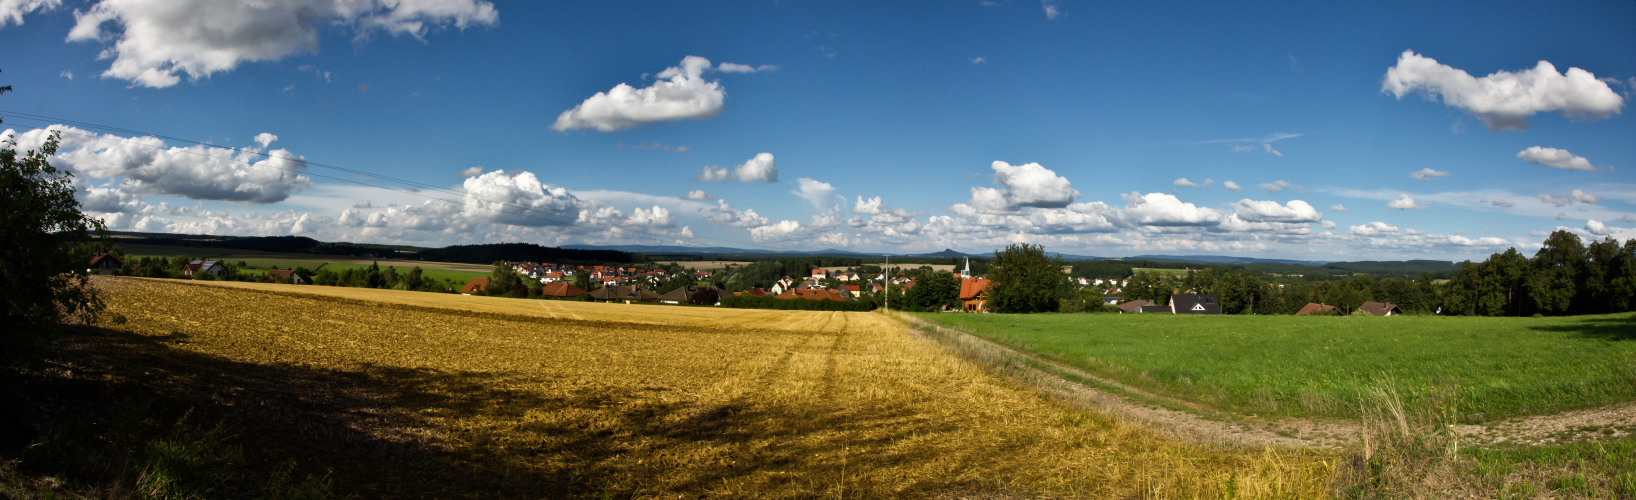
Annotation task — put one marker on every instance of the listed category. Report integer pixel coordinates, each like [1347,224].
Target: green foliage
[1024,280]
[505,282]
[933,291]
[1564,277]
[40,222]
[1148,285]
[1086,300]
[1317,366]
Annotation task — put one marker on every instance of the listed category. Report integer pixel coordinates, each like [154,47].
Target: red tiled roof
[1314,308]
[971,288]
[561,289]
[475,285]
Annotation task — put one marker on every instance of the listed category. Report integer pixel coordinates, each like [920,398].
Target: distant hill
[1221,259]
[1397,267]
[284,244]
[485,254]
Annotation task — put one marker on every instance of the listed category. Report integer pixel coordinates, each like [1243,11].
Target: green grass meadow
[1318,366]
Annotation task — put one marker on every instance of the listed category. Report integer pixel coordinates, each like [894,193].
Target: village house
[626,294]
[1379,309]
[1194,304]
[475,286]
[105,263]
[561,290]
[697,295]
[1135,306]
[814,294]
[288,276]
[214,268]
[1314,308]
[974,294]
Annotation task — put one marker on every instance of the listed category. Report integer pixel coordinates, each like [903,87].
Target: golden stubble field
[404,394]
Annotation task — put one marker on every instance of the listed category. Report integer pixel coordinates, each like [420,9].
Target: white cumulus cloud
[1504,100]
[518,199]
[1428,173]
[697,194]
[820,194]
[156,40]
[680,93]
[1272,211]
[473,171]
[12,11]
[146,165]
[1183,182]
[1553,157]
[1232,186]
[761,168]
[1160,209]
[1405,202]
[1026,185]
[1375,229]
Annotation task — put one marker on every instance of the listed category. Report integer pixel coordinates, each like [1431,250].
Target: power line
[524,211]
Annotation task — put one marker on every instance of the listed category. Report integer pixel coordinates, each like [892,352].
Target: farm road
[1191,421]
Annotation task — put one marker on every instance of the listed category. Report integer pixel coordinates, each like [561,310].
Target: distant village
[640,284]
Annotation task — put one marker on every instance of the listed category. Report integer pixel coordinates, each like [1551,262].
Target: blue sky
[1298,130]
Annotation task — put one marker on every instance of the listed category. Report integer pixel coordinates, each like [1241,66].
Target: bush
[40,222]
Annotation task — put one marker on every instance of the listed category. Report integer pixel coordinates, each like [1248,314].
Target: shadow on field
[100,403]
[1621,327]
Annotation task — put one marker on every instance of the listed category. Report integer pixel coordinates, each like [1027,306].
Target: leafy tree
[40,221]
[1087,299]
[1202,281]
[1553,277]
[1148,285]
[933,291]
[503,282]
[1023,280]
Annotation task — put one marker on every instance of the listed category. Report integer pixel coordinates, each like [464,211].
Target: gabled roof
[971,288]
[475,285]
[1315,308]
[621,292]
[1135,305]
[105,257]
[1380,309]
[561,289]
[813,294]
[1194,304]
[687,293]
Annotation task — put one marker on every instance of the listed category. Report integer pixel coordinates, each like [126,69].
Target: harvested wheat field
[420,396]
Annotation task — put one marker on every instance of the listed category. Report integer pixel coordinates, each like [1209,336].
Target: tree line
[1566,276]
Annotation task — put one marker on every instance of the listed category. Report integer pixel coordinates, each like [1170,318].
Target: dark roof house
[1380,309]
[1135,306]
[699,295]
[288,276]
[1194,304]
[623,293]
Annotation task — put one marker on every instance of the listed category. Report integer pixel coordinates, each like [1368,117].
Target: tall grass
[1316,366]
[1411,451]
